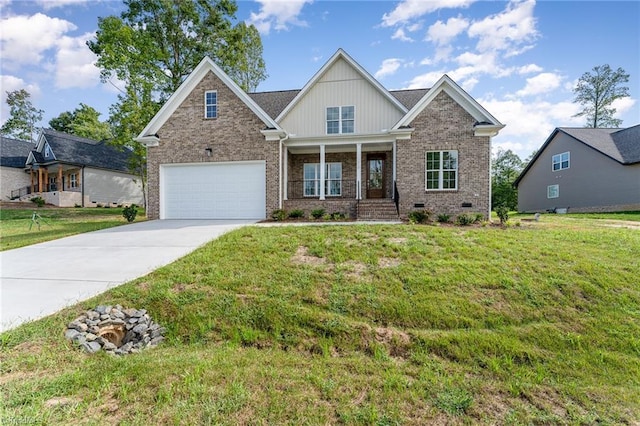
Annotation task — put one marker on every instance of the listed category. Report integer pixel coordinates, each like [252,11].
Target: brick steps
[377,209]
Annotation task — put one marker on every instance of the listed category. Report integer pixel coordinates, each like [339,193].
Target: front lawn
[362,324]
[19,227]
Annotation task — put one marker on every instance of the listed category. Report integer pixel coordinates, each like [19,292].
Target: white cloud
[278,14]
[24,39]
[408,10]
[425,80]
[529,68]
[507,31]
[388,67]
[541,83]
[51,4]
[76,63]
[442,33]
[10,83]
[400,35]
[623,105]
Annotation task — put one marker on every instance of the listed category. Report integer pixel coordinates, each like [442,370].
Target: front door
[375,176]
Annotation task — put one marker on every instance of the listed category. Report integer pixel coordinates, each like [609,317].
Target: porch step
[377,209]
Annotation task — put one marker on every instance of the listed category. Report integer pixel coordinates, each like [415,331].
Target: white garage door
[234,190]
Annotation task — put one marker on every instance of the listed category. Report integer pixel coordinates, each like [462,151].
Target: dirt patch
[388,262]
[357,270]
[17,375]
[627,224]
[389,335]
[61,401]
[398,240]
[144,286]
[302,257]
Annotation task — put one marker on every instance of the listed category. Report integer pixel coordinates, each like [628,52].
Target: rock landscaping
[114,329]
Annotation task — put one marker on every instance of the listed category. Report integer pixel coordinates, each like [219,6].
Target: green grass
[363,324]
[18,230]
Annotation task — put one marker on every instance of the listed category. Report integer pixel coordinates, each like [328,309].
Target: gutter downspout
[83,183]
[280,187]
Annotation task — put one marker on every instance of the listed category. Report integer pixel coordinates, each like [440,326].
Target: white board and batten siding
[341,85]
[226,190]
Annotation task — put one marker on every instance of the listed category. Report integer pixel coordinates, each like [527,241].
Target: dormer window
[340,120]
[210,104]
[47,151]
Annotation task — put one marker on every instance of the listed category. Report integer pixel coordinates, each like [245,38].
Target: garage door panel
[214,191]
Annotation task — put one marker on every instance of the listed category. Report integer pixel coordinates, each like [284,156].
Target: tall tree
[23,116]
[506,168]
[596,91]
[84,121]
[249,68]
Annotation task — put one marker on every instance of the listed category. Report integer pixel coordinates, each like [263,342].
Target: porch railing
[20,192]
[334,188]
[396,197]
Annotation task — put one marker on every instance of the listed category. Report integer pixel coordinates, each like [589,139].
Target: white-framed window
[73,180]
[553,191]
[210,104]
[441,170]
[340,120]
[47,151]
[560,161]
[332,175]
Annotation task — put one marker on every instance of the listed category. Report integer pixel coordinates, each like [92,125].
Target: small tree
[83,121]
[596,91]
[23,116]
[506,168]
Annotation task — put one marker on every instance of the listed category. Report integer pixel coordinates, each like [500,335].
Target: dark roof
[621,145]
[273,103]
[14,152]
[86,152]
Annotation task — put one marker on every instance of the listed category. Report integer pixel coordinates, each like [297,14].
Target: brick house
[342,143]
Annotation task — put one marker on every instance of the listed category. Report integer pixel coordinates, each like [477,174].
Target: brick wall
[233,136]
[444,125]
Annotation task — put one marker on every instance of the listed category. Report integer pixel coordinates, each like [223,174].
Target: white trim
[339,120]
[359,171]
[446,84]
[206,92]
[188,85]
[441,171]
[553,161]
[322,172]
[340,54]
[557,191]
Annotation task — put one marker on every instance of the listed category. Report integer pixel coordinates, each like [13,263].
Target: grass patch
[362,324]
[17,229]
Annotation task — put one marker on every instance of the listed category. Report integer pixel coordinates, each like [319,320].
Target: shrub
[419,216]
[38,201]
[479,218]
[465,219]
[317,213]
[338,216]
[279,215]
[503,214]
[295,214]
[77,206]
[130,212]
[444,218]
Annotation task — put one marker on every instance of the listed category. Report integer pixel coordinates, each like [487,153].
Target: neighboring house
[13,156]
[68,170]
[583,170]
[342,143]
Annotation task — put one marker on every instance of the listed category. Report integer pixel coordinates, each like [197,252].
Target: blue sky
[519,59]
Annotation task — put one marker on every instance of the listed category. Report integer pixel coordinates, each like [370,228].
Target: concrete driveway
[41,279]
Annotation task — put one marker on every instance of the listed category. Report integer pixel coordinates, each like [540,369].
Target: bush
[296,214]
[38,201]
[279,215]
[503,214]
[465,219]
[317,213]
[130,212]
[444,218]
[419,216]
[479,218]
[338,216]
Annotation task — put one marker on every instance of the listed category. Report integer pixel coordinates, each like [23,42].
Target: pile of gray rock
[114,329]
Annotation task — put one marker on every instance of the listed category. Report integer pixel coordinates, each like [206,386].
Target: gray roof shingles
[622,145]
[86,152]
[14,152]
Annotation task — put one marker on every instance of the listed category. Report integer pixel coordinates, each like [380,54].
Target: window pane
[333,113]
[347,126]
[311,171]
[433,178]
[448,180]
[333,127]
[347,113]
[433,160]
[212,111]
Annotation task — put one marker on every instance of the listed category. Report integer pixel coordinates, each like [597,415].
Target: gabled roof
[80,151]
[205,66]
[621,145]
[14,152]
[486,122]
[340,54]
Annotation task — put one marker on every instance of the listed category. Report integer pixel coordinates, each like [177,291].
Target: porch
[57,184]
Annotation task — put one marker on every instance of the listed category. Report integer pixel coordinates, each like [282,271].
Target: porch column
[32,183]
[46,180]
[39,180]
[322,172]
[394,167]
[285,164]
[59,185]
[359,171]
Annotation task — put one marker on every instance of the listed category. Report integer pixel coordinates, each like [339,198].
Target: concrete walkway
[39,280]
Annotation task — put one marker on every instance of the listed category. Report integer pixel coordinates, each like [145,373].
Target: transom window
[560,161]
[340,120]
[441,170]
[553,191]
[333,179]
[210,104]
